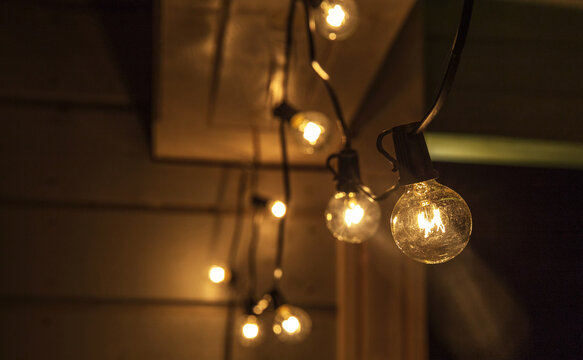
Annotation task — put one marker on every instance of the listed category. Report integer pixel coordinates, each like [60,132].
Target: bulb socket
[315,3]
[284,111]
[412,155]
[348,174]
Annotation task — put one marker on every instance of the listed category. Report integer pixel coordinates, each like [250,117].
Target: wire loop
[382,150]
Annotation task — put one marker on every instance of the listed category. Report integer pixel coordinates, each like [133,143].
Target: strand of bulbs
[430,222]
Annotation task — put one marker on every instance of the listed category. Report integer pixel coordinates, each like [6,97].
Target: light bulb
[336,19]
[218,274]
[311,129]
[430,222]
[291,324]
[277,208]
[249,330]
[352,217]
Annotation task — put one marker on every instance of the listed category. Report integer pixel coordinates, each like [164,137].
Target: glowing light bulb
[337,19]
[352,217]
[218,274]
[430,222]
[249,330]
[278,209]
[311,130]
[291,324]
[336,16]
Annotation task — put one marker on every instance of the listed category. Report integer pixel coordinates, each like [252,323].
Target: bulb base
[348,174]
[284,111]
[414,161]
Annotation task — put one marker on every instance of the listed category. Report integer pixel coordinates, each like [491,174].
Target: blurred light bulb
[249,330]
[278,209]
[352,217]
[430,222]
[218,274]
[291,324]
[336,16]
[337,19]
[311,130]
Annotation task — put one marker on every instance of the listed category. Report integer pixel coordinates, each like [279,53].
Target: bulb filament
[336,16]
[427,225]
[311,132]
[353,214]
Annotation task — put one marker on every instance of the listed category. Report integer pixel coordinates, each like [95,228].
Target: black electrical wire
[454,60]
[346,138]
[287,197]
[288,46]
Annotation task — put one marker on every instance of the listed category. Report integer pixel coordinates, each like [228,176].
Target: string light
[351,215]
[219,274]
[430,222]
[249,330]
[291,324]
[336,19]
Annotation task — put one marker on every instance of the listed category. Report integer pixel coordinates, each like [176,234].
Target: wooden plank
[141,332]
[132,254]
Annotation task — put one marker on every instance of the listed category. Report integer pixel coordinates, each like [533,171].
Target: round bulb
[249,330]
[336,19]
[291,324]
[278,209]
[431,223]
[311,129]
[218,274]
[352,217]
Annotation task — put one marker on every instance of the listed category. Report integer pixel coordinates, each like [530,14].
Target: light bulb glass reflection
[352,217]
[218,274]
[278,209]
[291,324]
[248,330]
[430,222]
[311,129]
[337,19]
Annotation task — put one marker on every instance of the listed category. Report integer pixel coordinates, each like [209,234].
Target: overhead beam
[500,150]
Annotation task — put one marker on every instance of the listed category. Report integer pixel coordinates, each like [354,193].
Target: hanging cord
[287,196]
[288,46]
[323,75]
[232,262]
[454,60]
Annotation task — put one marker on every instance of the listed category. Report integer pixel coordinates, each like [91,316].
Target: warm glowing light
[278,209]
[250,330]
[336,16]
[217,274]
[430,222]
[427,225]
[291,324]
[312,132]
[353,214]
[320,70]
[352,217]
[336,19]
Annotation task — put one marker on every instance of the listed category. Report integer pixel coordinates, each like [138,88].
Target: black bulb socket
[348,174]
[284,111]
[414,161]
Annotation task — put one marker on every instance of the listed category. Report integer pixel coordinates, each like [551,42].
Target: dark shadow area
[516,292]
[130,29]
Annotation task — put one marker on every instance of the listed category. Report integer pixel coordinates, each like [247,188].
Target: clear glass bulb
[248,329]
[352,217]
[431,223]
[336,19]
[291,324]
[311,129]
[219,274]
